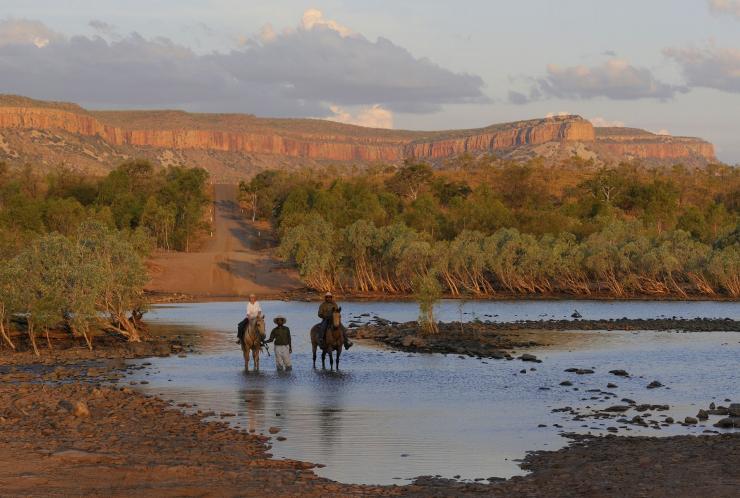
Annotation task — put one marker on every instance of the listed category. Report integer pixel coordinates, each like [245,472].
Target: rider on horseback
[254,310]
[326,312]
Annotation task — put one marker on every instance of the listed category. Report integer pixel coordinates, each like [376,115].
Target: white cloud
[725,7]
[601,122]
[25,32]
[371,116]
[559,113]
[314,18]
[663,131]
[710,67]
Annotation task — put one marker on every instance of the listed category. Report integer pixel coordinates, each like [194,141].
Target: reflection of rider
[326,313]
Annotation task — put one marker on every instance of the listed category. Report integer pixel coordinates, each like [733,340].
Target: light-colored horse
[253,336]
[333,340]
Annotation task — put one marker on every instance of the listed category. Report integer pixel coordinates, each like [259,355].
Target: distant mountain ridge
[233,145]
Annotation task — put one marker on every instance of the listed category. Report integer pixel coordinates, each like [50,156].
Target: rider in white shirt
[253,307]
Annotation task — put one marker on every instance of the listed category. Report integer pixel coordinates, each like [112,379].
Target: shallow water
[390,416]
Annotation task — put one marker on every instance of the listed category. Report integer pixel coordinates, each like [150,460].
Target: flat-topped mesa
[244,137]
[633,143]
[301,138]
[506,136]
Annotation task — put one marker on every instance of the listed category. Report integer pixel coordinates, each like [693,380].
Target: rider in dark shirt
[326,313]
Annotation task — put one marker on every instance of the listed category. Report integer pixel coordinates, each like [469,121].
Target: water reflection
[388,414]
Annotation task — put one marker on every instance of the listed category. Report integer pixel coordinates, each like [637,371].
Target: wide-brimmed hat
[328,294]
[279,318]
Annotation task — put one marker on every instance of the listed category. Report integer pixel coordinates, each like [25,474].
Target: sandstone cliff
[126,133]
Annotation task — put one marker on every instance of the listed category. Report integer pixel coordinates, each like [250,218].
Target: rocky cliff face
[350,147]
[314,140]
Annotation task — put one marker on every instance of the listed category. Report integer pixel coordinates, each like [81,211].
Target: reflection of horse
[333,340]
[253,341]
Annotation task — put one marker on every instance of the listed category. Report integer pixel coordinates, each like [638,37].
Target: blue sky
[657,64]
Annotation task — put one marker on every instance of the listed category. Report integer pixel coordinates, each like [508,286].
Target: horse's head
[261,324]
[336,318]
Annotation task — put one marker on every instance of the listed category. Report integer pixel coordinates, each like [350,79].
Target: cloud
[371,116]
[601,122]
[102,27]
[616,79]
[25,32]
[314,18]
[710,67]
[663,131]
[725,7]
[299,71]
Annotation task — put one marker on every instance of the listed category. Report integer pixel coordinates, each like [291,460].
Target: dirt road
[235,261]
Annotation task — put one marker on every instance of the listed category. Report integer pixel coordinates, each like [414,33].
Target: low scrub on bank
[93,280]
[72,248]
[484,228]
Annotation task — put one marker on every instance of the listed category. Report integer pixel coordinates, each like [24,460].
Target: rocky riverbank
[71,425]
[488,339]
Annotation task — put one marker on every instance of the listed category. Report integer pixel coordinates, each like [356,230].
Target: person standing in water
[280,335]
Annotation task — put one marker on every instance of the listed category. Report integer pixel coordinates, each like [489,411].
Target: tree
[427,292]
[411,179]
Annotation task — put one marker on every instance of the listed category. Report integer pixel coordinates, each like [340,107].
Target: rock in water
[620,373]
[728,422]
[654,384]
[690,421]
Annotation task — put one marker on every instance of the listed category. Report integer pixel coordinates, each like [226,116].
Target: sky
[668,66]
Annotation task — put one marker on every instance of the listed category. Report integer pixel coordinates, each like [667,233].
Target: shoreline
[69,414]
[316,296]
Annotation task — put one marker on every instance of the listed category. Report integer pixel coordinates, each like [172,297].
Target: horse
[253,341]
[333,340]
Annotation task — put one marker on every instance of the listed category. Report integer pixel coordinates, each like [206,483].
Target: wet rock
[702,415]
[654,384]
[617,408]
[566,383]
[273,430]
[619,373]
[529,357]
[734,410]
[611,386]
[413,341]
[690,421]
[669,420]
[728,423]
[579,371]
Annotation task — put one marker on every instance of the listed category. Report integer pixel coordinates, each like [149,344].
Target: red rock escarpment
[321,140]
[368,147]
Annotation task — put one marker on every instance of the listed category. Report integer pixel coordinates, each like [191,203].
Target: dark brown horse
[333,340]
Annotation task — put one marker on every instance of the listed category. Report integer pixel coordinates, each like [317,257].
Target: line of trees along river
[72,247]
[484,227]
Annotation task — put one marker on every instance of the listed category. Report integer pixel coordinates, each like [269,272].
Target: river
[390,416]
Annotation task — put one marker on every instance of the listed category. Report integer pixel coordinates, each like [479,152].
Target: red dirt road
[235,261]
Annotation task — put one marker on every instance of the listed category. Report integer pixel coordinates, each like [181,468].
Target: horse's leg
[323,358]
[256,356]
[331,360]
[313,347]
[245,352]
[339,352]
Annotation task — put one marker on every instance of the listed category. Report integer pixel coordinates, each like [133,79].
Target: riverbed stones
[690,421]
[734,409]
[702,415]
[529,357]
[273,430]
[728,423]
[619,373]
[654,384]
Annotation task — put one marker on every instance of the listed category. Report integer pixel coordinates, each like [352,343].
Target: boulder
[728,423]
